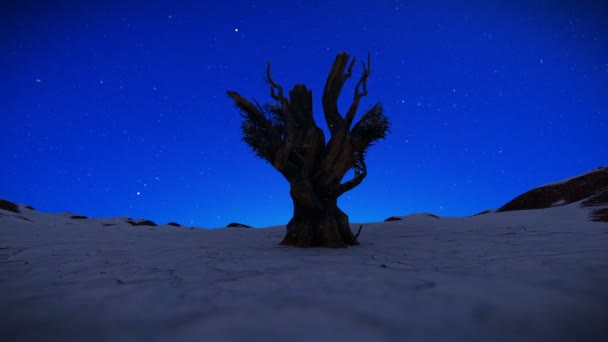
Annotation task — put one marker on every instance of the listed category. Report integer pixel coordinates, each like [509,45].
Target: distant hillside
[591,188]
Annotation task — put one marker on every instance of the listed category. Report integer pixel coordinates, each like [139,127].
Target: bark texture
[285,134]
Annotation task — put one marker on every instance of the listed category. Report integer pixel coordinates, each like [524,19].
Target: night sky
[112,108]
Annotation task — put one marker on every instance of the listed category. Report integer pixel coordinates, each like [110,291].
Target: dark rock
[174,224]
[145,223]
[599,215]
[591,187]
[393,218]
[78,217]
[10,206]
[600,200]
[483,212]
[397,218]
[237,225]
[141,223]
[29,207]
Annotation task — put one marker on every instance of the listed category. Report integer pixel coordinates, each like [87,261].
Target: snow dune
[524,275]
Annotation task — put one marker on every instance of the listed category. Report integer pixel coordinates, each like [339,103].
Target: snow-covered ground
[514,276]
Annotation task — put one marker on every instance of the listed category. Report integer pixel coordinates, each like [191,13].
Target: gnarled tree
[285,134]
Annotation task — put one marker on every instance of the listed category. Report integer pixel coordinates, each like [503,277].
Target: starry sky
[112,108]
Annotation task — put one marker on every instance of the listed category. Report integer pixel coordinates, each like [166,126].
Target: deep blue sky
[119,108]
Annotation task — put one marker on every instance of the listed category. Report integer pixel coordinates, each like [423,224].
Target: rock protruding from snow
[9,206]
[237,225]
[141,222]
[393,218]
[592,187]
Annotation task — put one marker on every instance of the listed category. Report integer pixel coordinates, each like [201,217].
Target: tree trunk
[285,134]
[317,222]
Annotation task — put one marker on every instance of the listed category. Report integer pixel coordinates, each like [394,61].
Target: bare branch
[359,232]
[352,111]
[276,92]
[349,73]
[278,95]
[331,92]
[360,174]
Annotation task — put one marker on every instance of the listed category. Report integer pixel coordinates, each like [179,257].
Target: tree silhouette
[285,134]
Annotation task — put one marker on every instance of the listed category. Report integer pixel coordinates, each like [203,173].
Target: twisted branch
[352,111]
[359,232]
[279,90]
[360,174]
[331,92]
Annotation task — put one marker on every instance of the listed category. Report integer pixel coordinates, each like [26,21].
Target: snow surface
[523,275]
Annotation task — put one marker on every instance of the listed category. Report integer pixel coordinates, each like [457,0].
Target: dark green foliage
[257,138]
[374,126]
[254,132]
[273,112]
